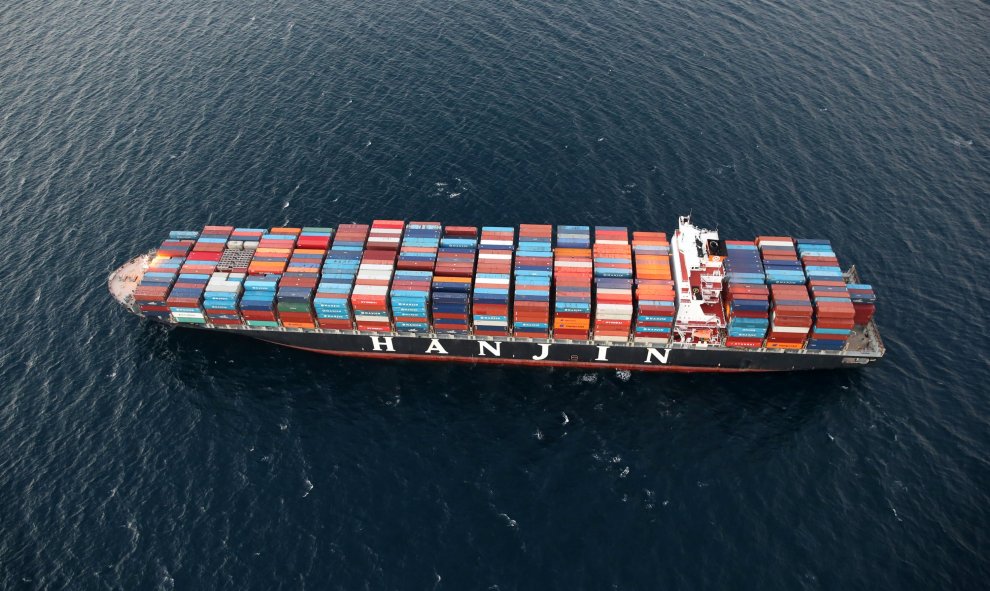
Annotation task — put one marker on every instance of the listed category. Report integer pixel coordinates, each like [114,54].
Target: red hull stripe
[544,363]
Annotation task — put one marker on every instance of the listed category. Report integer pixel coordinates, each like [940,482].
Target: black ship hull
[581,355]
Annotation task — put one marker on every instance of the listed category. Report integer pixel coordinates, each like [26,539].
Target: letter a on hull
[436,347]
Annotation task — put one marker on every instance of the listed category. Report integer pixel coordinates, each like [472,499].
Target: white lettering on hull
[544,352]
[602,350]
[485,345]
[652,353]
[436,347]
[379,342]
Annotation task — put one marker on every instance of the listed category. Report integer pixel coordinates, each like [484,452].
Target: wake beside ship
[579,297]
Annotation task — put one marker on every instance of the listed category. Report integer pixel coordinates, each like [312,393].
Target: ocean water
[133,457]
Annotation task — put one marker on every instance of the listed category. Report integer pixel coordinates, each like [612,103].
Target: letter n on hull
[493,348]
[652,354]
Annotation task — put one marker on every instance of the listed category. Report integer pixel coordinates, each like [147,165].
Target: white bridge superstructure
[698,274]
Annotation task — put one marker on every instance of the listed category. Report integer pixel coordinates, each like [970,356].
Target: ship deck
[123,281]
[865,342]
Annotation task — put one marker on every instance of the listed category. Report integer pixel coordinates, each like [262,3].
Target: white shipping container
[363,318]
[370,290]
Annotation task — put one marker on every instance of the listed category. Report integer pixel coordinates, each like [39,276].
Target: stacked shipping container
[452,280]
[791,316]
[864,302]
[747,299]
[410,294]
[573,271]
[834,312]
[655,294]
[223,292]
[257,303]
[533,273]
[302,277]
[791,312]
[492,281]
[613,267]
[340,267]
[156,284]
[370,294]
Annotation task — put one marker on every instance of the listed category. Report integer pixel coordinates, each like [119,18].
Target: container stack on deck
[257,303]
[791,312]
[410,293]
[452,279]
[156,284]
[491,281]
[223,292]
[370,294]
[655,294]
[864,302]
[780,260]
[613,284]
[572,272]
[834,311]
[790,316]
[419,247]
[207,250]
[292,302]
[747,298]
[340,267]
[301,278]
[533,273]
[272,254]
[185,301]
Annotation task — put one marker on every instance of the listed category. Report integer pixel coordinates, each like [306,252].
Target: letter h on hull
[379,342]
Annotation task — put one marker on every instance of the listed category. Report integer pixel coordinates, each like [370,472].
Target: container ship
[569,296]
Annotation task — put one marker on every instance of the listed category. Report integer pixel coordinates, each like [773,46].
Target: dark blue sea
[133,457]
